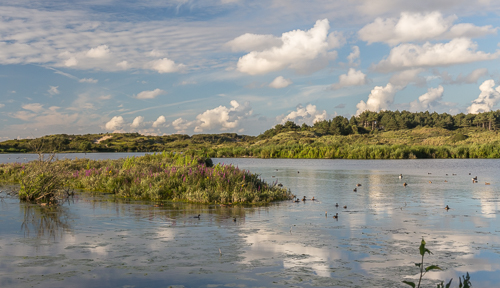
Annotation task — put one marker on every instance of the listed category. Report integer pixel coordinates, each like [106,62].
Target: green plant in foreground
[423,271]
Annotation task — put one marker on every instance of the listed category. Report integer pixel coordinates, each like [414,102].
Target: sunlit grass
[167,176]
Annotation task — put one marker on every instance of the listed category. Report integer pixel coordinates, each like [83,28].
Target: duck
[314,199]
[400,176]
[197,216]
[158,205]
[336,216]
[336,204]
[404,184]
[297,200]
[355,189]
[304,199]
[445,181]
[447,208]
[357,185]
[486,183]
[345,206]
[430,182]
[234,219]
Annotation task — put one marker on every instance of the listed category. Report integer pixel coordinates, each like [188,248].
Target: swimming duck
[314,199]
[357,185]
[345,206]
[158,205]
[404,184]
[297,200]
[234,219]
[447,207]
[430,182]
[336,216]
[336,204]
[355,189]
[304,199]
[400,176]
[197,216]
[486,183]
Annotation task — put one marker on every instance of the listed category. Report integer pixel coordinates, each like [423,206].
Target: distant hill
[382,135]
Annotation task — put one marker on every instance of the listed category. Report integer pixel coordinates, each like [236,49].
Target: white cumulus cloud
[150,94]
[98,52]
[160,121]
[181,125]
[419,27]
[137,122]
[164,65]
[380,98]
[309,115]
[280,82]
[352,78]
[302,51]
[456,51]
[488,98]
[115,123]
[427,100]
[222,117]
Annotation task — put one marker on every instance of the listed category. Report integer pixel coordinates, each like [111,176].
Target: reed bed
[165,176]
[361,151]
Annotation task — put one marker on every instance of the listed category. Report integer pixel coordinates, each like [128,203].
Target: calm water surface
[107,242]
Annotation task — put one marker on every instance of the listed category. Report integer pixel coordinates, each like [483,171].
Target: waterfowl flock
[336,216]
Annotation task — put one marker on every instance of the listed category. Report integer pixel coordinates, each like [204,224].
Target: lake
[105,242]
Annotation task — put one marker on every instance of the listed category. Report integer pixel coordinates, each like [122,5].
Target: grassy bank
[420,142]
[165,176]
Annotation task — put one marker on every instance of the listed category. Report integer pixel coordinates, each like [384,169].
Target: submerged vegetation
[382,135]
[165,176]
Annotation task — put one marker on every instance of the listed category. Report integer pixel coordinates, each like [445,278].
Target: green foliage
[422,249]
[371,135]
[165,176]
[40,181]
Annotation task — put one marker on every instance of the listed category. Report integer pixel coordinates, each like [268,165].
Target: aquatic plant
[41,181]
[169,176]
[424,270]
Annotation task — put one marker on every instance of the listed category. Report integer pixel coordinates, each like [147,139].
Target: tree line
[370,122]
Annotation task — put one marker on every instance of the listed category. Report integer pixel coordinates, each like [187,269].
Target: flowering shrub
[167,176]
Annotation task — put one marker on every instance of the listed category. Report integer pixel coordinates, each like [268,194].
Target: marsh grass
[165,176]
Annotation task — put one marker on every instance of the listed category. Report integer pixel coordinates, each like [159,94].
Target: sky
[237,66]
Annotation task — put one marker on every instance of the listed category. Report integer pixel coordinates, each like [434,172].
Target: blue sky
[213,66]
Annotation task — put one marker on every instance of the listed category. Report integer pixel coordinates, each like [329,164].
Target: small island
[158,177]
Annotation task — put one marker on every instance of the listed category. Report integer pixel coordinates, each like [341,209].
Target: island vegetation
[162,176]
[371,135]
